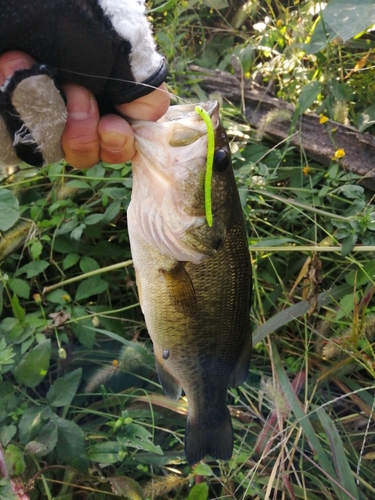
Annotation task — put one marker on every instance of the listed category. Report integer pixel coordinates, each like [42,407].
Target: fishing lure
[209,162]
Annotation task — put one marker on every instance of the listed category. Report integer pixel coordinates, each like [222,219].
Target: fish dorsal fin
[181,289]
[169,384]
[241,369]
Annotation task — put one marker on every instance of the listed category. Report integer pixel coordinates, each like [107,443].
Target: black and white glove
[103,45]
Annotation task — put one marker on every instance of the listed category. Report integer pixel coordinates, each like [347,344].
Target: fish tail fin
[212,438]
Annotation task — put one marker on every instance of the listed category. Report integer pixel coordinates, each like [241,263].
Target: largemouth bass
[194,281]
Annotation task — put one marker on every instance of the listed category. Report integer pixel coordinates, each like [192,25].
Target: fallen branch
[319,142]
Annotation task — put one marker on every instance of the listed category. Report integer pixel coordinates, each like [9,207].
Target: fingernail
[113,141]
[79,103]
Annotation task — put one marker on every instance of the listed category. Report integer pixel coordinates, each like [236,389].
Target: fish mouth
[188,125]
[168,182]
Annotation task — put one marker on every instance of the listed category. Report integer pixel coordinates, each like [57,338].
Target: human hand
[88,137]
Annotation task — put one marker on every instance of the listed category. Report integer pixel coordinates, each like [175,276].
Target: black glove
[104,45]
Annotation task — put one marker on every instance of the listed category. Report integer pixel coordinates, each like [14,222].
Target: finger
[80,140]
[13,61]
[116,139]
[150,107]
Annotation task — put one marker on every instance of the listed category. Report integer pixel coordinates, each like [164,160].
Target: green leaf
[105,453]
[350,191]
[77,232]
[14,459]
[45,442]
[308,95]
[57,296]
[136,436]
[96,174]
[18,310]
[198,492]
[32,268]
[88,264]
[7,432]
[342,19]
[36,249]
[77,184]
[8,399]
[349,18]
[67,227]
[71,444]
[93,219]
[89,287]
[20,287]
[112,210]
[32,420]
[202,469]
[9,210]
[64,389]
[34,365]
[82,328]
[348,244]
[126,487]
[6,354]
[70,260]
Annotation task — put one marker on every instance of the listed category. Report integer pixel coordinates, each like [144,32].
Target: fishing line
[171,95]
[209,162]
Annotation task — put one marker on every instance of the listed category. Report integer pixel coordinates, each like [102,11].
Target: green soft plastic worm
[209,162]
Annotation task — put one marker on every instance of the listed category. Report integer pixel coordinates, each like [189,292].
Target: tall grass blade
[340,460]
[303,420]
[297,310]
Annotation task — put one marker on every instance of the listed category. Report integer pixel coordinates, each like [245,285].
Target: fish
[193,280]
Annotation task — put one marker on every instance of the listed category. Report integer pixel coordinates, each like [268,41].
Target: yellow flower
[115,362]
[340,153]
[323,119]
[279,23]
[66,298]
[306,170]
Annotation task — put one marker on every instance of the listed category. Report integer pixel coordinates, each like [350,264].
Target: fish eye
[221,160]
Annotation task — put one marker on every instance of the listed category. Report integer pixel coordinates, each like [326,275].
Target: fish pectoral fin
[181,289]
[169,384]
[241,369]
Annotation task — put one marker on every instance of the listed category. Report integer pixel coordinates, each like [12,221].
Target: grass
[81,412]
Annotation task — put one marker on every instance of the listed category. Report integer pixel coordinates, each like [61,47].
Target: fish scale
[195,292]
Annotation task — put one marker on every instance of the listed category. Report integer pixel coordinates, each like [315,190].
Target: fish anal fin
[241,369]
[169,384]
[181,289]
[215,439]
